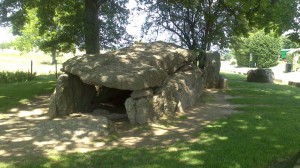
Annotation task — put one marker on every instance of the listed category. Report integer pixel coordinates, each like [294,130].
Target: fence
[33,63]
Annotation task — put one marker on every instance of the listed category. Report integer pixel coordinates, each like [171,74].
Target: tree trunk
[91,27]
[53,55]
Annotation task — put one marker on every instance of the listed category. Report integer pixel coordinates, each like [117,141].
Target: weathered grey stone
[102,112]
[52,112]
[181,91]
[158,103]
[139,111]
[137,67]
[144,111]
[70,95]
[260,76]
[155,79]
[61,101]
[141,93]
[130,110]
[191,87]
[212,68]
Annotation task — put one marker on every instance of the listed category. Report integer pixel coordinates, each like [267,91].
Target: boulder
[141,93]
[260,75]
[212,70]
[144,111]
[139,111]
[70,95]
[130,110]
[180,91]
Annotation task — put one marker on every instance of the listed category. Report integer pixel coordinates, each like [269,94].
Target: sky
[5,35]
[135,20]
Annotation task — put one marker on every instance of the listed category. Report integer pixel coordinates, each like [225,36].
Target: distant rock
[260,76]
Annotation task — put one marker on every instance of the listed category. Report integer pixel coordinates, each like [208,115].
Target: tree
[83,23]
[5,45]
[264,48]
[288,43]
[199,24]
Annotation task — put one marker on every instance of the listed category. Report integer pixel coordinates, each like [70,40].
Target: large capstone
[134,68]
[148,79]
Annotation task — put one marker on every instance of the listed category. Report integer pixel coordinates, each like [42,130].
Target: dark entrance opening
[110,102]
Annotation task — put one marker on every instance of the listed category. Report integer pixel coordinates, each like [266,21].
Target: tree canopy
[198,24]
[263,48]
[88,24]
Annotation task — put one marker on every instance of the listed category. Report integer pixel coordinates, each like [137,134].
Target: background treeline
[264,48]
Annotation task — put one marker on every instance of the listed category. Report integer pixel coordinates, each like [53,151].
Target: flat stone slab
[137,67]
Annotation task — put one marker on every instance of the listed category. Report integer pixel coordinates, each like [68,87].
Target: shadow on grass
[144,138]
[16,94]
[259,137]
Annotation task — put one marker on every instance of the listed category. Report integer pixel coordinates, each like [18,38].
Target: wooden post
[223,82]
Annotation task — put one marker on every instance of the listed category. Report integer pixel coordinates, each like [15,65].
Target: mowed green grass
[15,94]
[266,130]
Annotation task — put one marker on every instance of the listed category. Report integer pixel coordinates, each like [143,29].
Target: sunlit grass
[15,94]
[266,130]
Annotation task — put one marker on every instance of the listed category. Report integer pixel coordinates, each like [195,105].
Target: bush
[265,49]
[18,76]
[241,52]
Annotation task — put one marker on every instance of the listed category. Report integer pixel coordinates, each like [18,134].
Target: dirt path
[17,138]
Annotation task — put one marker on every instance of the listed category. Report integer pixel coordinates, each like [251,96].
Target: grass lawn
[267,130]
[14,94]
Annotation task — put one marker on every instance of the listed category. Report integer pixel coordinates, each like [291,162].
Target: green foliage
[288,43]
[194,24]
[241,51]
[62,25]
[6,45]
[227,56]
[199,24]
[18,76]
[265,49]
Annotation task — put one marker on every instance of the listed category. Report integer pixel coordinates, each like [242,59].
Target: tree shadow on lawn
[236,142]
[256,138]
[20,93]
[19,138]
